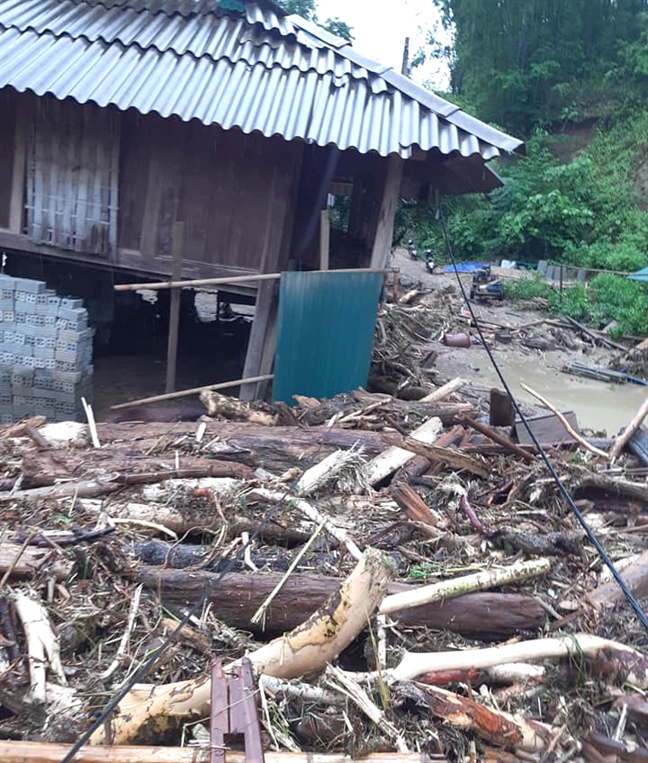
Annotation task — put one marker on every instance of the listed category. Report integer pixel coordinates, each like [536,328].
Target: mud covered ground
[599,407]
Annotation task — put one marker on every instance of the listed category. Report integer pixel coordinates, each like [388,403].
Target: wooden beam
[197,282]
[50,752]
[325,239]
[174,309]
[385,229]
[17,201]
[273,256]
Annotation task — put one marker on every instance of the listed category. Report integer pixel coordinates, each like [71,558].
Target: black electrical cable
[154,658]
[565,493]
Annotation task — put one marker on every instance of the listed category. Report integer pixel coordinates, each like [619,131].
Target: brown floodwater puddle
[597,405]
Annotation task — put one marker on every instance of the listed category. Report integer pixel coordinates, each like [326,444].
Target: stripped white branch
[447,589]
[42,645]
[417,663]
[123,644]
[91,423]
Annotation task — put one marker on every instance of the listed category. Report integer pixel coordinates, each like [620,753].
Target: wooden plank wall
[219,183]
[235,192]
[71,183]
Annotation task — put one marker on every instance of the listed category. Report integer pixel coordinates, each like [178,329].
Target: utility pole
[405,65]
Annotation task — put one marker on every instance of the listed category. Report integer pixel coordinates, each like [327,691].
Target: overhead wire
[643,619]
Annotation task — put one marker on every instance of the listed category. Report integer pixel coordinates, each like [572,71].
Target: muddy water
[598,406]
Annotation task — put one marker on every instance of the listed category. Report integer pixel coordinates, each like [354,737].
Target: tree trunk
[238,595]
[274,448]
[45,467]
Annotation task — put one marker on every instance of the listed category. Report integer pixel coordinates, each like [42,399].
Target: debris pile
[364,578]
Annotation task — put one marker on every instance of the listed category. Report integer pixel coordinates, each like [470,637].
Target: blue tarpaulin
[465,267]
[640,275]
[325,333]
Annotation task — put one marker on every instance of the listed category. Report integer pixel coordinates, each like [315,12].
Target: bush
[617,298]
[527,288]
[607,297]
[574,302]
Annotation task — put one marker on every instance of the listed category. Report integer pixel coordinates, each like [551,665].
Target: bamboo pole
[193,391]
[197,282]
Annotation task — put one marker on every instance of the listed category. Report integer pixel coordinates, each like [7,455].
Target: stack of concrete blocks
[45,352]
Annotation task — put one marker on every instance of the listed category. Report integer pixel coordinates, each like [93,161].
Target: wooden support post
[502,413]
[385,228]
[256,342]
[325,239]
[234,712]
[17,201]
[174,310]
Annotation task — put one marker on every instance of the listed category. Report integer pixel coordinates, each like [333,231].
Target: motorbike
[413,252]
[429,261]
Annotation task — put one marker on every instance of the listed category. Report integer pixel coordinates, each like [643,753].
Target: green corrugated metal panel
[325,333]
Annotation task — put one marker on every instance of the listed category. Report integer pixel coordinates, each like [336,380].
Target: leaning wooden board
[547,429]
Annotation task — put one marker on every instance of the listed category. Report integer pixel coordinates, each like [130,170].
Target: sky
[380,33]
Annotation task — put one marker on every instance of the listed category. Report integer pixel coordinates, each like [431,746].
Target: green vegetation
[583,213]
[606,297]
[526,64]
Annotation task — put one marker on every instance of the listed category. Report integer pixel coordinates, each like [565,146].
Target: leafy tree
[340,28]
[307,9]
[304,8]
[525,63]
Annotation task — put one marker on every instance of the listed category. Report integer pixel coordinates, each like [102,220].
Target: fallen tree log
[238,595]
[305,649]
[78,489]
[276,449]
[45,467]
[635,577]
[613,485]
[27,561]
[45,752]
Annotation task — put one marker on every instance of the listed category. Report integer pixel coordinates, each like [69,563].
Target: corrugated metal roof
[257,70]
